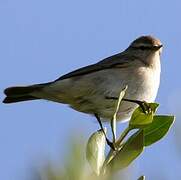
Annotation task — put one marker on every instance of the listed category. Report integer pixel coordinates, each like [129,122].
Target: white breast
[143,87]
[154,78]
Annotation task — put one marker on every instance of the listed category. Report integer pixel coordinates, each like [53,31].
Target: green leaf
[95,151]
[114,119]
[157,129]
[130,151]
[121,95]
[139,119]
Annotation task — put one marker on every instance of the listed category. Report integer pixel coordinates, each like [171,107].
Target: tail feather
[18,99]
[17,94]
[12,91]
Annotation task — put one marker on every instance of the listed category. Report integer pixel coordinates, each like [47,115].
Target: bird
[88,89]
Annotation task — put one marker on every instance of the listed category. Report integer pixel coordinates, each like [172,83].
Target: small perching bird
[86,89]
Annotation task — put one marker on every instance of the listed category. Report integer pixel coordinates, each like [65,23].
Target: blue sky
[41,40]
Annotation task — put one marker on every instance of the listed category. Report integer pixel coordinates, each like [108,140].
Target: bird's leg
[111,144]
[143,104]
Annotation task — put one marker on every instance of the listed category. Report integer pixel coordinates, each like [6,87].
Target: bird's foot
[145,107]
[112,145]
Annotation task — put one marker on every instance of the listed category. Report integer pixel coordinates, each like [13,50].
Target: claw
[145,107]
[111,145]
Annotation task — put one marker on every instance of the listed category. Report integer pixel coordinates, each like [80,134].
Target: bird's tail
[17,94]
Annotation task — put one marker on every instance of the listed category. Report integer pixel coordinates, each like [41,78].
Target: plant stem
[119,145]
[123,135]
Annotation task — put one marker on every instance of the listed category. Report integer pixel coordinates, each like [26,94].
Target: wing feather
[120,60]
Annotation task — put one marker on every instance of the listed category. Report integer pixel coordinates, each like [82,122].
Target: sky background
[41,40]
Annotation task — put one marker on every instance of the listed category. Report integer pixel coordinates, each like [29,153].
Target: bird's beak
[156,48]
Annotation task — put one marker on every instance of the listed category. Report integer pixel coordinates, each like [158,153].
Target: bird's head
[146,47]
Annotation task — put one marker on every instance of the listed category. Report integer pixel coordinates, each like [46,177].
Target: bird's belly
[88,93]
[142,86]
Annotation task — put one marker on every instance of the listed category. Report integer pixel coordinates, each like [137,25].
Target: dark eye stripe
[143,47]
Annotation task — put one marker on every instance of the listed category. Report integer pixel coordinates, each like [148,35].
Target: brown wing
[116,61]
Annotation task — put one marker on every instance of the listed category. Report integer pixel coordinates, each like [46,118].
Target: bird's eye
[141,47]
[144,47]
